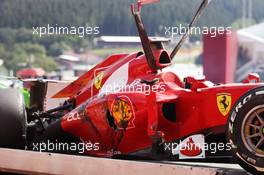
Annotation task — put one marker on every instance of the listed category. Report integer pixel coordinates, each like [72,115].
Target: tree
[113,16]
[238,24]
[29,55]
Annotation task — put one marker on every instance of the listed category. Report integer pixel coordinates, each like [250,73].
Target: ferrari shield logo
[224,101]
[98,80]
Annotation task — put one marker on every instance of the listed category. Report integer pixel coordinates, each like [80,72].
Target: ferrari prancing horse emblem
[98,80]
[224,101]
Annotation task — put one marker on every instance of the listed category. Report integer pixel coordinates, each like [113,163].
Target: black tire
[244,123]
[12,119]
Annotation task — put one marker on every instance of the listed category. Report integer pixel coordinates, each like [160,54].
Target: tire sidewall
[13,119]
[247,159]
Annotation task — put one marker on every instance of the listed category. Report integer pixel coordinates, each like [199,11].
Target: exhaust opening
[169,112]
[164,58]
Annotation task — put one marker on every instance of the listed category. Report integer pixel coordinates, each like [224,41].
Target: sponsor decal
[224,101]
[123,112]
[191,147]
[79,114]
[98,80]
[234,113]
[73,116]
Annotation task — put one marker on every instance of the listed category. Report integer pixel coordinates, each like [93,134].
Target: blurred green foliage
[113,16]
[20,48]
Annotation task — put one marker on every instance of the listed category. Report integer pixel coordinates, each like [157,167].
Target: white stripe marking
[260,93]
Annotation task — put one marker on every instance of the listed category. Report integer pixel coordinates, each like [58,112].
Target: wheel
[12,119]
[246,131]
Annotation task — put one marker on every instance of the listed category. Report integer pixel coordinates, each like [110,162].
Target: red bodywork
[196,107]
[127,103]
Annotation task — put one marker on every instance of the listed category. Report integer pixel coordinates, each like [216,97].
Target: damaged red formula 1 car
[127,106]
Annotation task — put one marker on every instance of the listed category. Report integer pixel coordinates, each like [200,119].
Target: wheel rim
[253,131]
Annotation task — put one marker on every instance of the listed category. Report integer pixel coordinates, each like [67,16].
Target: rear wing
[145,41]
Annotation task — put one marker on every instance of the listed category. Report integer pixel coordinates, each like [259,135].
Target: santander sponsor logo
[191,149]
